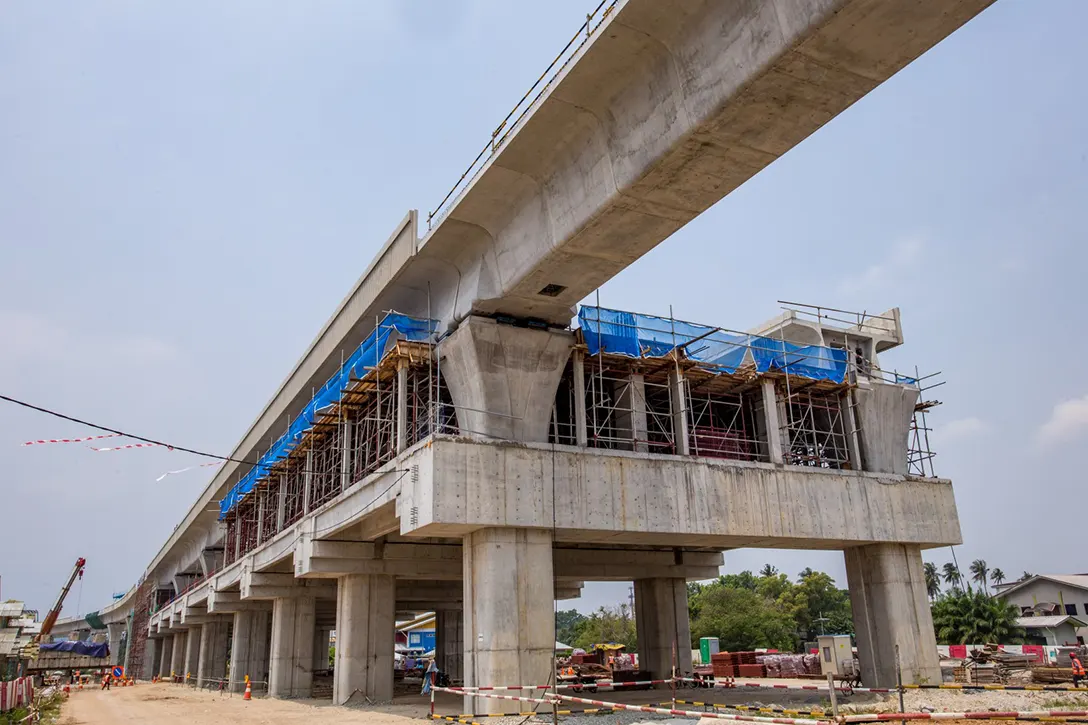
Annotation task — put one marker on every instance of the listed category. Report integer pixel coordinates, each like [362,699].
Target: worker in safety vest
[1078,669]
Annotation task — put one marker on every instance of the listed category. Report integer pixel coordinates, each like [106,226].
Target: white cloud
[1068,419]
[902,256]
[962,428]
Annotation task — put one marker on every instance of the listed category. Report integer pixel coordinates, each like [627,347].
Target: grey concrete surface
[622,497]
[890,608]
[290,673]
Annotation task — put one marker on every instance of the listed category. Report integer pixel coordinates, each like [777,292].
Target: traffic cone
[249,691]
[81,683]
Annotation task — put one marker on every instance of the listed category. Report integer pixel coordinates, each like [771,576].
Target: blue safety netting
[646,336]
[392,327]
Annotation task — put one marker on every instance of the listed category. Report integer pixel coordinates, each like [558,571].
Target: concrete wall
[644,498]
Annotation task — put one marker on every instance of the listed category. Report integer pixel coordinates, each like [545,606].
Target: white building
[1053,607]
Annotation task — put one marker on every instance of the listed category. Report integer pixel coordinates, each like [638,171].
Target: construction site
[469,441]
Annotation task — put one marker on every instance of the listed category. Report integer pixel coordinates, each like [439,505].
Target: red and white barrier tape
[569,686]
[130,445]
[477,693]
[781,686]
[188,468]
[695,713]
[70,440]
[984,715]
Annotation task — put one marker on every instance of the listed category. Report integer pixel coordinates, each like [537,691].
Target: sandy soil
[165,704]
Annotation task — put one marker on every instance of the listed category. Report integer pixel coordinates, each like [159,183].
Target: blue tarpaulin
[642,336]
[366,356]
[76,647]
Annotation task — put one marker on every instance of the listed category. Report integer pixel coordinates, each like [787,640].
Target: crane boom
[51,618]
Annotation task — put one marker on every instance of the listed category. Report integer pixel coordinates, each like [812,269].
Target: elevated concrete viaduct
[488,508]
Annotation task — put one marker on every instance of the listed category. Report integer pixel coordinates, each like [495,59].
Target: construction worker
[1078,669]
[106,681]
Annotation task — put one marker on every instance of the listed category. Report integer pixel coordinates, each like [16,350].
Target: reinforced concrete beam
[619,497]
[230,602]
[333,559]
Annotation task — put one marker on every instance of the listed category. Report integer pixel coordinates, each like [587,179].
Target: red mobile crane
[51,618]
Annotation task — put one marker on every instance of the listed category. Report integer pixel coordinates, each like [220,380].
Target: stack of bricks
[736,664]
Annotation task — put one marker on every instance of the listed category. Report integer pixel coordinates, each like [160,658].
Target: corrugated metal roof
[1079,581]
[1045,622]
[11,609]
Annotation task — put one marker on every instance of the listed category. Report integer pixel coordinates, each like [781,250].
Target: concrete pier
[450,642]
[509,618]
[364,638]
[292,654]
[177,655]
[115,630]
[249,648]
[890,606]
[662,626]
[166,652]
[214,643]
[152,654]
[188,670]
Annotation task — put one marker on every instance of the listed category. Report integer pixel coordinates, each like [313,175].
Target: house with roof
[1053,607]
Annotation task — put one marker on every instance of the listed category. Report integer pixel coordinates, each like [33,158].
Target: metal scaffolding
[395,404]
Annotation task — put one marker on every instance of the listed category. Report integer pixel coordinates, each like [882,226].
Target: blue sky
[188,189]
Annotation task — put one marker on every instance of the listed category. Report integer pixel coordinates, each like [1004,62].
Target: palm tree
[1025,576]
[980,573]
[951,575]
[768,570]
[969,617]
[997,576]
[933,579]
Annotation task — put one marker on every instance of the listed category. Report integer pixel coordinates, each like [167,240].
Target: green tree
[951,575]
[818,606]
[744,580]
[997,576]
[742,619]
[566,625]
[775,587]
[933,580]
[980,574]
[974,617]
[768,570]
[607,624]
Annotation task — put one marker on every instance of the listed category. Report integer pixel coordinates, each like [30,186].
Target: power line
[122,433]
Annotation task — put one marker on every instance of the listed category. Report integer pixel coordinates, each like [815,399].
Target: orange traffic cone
[81,683]
[249,691]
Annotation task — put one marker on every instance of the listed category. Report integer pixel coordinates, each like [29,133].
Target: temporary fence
[846,688]
[981,715]
[813,712]
[691,713]
[16,693]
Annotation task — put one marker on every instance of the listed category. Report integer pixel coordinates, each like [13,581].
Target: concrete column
[293,623]
[679,398]
[581,434]
[771,422]
[503,378]
[177,659]
[129,640]
[890,607]
[631,412]
[450,646]
[345,462]
[321,650]
[212,661]
[509,621]
[166,651]
[662,627]
[365,611]
[402,405]
[249,648]
[114,635]
[152,653]
[192,655]
[883,415]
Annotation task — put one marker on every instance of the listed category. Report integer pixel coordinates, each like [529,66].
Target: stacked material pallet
[721,665]
[789,665]
[1051,675]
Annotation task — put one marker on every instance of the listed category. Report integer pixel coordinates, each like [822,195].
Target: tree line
[768,610]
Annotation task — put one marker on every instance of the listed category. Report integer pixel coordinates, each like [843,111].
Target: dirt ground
[165,704]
